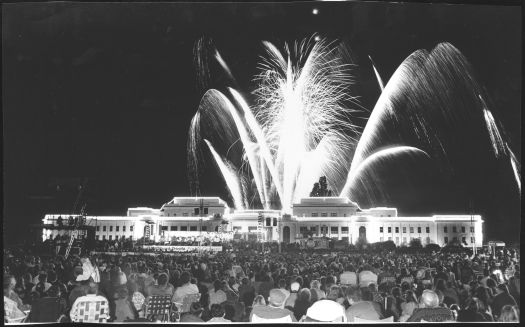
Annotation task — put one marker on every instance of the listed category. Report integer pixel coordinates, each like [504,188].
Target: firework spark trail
[498,145]
[224,66]
[260,138]
[516,167]
[381,156]
[298,102]
[229,177]
[200,61]
[248,144]
[378,77]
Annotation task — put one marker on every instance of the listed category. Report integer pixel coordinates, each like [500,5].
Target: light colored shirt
[219,319]
[11,310]
[184,290]
[217,297]
[75,313]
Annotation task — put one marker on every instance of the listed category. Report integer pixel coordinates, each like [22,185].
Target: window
[275,221]
[419,230]
[313,228]
[333,214]
[205,211]
[445,229]
[389,229]
[103,237]
[174,214]
[463,240]
[380,229]
[454,230]
[344,230]
[97,237]
[185,214]
[110,228]
[427,229]
[334,230]
[404,240]
[303,229]
[196,211]
[315,214]
[381,239]
[463,229]
[204,228]
[193,228]
[117,228]
[324,229]
[164,227]
[103,228]
[130,228]
[324,214]
[411,229]
[123,228]
[404,229]
[173,228]
[344,215]
[183,228]
[268,222]
[428,240]
[98,228]
[472,229]
[110,237]
[397,230]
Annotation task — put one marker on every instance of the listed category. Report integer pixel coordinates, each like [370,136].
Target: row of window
[324,229]
[454,229]
[463,239]
[196,212]
[117,228]
[183,228]
[325,214]
[97,237]
[382,239]
[427,229]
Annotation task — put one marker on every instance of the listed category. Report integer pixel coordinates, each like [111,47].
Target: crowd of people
[248,285]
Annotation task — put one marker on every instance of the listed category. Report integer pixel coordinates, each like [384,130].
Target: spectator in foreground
[429,309]
[273,312]
[325,311]
[217,314]
[360,308]
[186,288]
[194,315]
[509,314]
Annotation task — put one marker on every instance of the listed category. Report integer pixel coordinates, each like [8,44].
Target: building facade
[333,217]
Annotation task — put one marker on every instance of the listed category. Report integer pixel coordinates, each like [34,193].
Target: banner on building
[181,248]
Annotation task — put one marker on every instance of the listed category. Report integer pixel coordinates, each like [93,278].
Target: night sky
[103,94]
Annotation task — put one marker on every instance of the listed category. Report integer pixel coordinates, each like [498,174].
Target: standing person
[91,296]
[11,307]
[502,299]
[186,288]
[217,295]
[290,301]
[302,303]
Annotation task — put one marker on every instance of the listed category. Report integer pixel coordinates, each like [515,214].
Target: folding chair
[158,307]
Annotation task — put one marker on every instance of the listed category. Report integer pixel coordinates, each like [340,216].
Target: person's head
[185,278]
[229,311]
[92,287]
[429,299]
[9,283]
[315,284]
[122,293]
[372,287]
[259,300]
[441,285]
[276,298]
[52,276]
[334,293]
[491,283]
[216,311]
[509,313]
[163,279]
[282,283]
[304,295]
[325,311]
[353,294]
[42,277]
[196,309]
[294,287]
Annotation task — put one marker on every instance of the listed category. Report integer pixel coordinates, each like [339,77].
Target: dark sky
[103,94]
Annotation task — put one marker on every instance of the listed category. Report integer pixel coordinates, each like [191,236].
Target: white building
[333,217]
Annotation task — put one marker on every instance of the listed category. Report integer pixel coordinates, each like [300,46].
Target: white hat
[326,311]
[295,287]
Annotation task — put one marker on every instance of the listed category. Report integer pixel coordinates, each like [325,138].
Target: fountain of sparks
[300,126]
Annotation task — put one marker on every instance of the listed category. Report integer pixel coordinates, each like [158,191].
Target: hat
[277,297]
[326,311]
[295,287]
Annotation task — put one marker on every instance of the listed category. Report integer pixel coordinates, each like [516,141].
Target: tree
[432,247]
[416,243]
[320,189]
[388,246]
